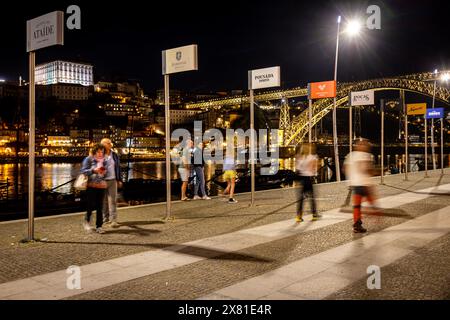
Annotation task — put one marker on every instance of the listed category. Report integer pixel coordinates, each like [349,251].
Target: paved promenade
[216,250]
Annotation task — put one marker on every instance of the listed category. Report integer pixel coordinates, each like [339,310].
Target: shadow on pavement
[392,213]
[417,192]
[182,249]
[140,223]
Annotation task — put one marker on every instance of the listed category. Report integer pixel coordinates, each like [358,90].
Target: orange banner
[416,109]
[324,89]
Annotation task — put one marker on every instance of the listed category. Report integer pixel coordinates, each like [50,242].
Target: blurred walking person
[358,167]
[113,182]
[198,164]
[306,162]
[94,167]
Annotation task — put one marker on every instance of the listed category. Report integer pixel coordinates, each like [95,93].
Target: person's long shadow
[140,223]
[263,216]
[392,213]
[190,250]
[433,193]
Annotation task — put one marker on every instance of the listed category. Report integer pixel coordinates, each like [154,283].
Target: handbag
[81,182]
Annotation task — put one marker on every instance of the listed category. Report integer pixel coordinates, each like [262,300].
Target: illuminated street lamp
[353,28]
[445,77]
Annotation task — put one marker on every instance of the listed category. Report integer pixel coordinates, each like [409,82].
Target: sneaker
[232,200]
[358,228]
[298,218]
[99,231]
[316,217]
[87,226]
[106,223]
[197,198]
[114,224]
[206,198]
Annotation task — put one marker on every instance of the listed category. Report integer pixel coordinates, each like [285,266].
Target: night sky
[124,40]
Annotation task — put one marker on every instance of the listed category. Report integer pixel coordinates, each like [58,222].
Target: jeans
[307,189]
[200,181]
[95,198]
[110,201]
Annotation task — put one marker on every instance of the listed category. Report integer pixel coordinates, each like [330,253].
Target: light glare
[353,28]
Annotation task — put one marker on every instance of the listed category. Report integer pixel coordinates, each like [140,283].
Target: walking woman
[94,166]
[306,168]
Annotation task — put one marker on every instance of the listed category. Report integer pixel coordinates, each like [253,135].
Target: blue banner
[435,113]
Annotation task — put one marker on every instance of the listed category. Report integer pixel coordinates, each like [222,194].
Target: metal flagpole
[433,154]
[252,146]
[426,144]
[310,121]
[442,144]
[350,123]
[335,139]
[31,147]
[167,124]
[402,93]
[382,140]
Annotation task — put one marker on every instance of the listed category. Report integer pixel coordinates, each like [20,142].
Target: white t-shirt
[307,165]
[357,166]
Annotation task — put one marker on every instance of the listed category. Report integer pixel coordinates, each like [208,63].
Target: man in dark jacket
[113,178]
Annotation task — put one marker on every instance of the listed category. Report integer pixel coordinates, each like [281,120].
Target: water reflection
[52,175]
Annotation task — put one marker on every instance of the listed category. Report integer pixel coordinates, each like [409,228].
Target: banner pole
[350,122]
[31,146]
[252,146]
[167,124]
[426,144]
[442,145]
[310,121]
[402,93]
[382,141]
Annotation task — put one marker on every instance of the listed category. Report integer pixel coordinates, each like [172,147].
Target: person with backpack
[94,167]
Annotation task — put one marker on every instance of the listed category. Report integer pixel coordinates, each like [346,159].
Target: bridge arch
[299,127]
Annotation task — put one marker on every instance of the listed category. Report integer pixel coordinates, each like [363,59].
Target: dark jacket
[117,169]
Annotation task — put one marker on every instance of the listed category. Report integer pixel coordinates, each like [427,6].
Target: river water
[55,175]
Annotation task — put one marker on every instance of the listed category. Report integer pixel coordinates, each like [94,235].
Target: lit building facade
[179,116]
[62,92]
[59,141]
[64,72]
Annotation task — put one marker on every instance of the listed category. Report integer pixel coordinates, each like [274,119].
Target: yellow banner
[416,109]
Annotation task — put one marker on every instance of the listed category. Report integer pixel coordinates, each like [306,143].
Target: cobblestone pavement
[424,274]
[143,230]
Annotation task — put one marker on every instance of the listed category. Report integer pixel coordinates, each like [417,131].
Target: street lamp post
[335,139]
[353,28]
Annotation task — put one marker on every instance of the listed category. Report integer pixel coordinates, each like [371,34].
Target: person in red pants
[358,167]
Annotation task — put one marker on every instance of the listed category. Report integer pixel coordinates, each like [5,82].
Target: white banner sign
[363,98]
[179,59]
[45,31]
[264,78]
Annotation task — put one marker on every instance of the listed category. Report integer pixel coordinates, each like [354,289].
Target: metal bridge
[297,129]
